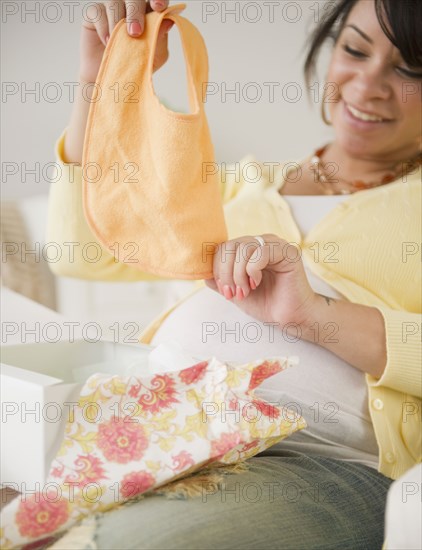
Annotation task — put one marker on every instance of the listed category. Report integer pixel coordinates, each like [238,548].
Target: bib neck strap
[195,80]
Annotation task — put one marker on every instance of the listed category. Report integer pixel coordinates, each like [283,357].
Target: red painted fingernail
[239,293]
[227,291]
[135,28]
[252,283]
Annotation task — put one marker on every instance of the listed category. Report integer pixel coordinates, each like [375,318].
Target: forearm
[354,332]
[75,134]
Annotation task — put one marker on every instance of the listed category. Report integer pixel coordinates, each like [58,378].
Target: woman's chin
[354,145]
[357,143]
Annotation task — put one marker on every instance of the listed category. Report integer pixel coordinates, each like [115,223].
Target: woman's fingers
[135,13]
[104,16]
[223,267]
[135,16]
[245,251]
[96,18]
[258,261]
[159,5]
[230,267]
[277,254]
[115,10]
[239,264]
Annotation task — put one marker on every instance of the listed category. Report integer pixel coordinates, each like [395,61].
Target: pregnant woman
[323,262]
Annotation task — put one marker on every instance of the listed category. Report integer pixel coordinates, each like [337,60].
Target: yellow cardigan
[376,235]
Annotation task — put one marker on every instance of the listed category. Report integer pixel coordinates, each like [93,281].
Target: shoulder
[250,172]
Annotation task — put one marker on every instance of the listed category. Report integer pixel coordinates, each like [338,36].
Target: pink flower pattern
[88,469]
[41,514]
[266,409]
[160,395]
[193,374]
[182,461]
[227,441]
[262,372]
[136,483]
[121,441]
[171,440]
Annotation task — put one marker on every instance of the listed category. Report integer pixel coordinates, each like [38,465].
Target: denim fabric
[288,501]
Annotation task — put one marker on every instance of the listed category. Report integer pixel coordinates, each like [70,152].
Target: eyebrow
[363,35]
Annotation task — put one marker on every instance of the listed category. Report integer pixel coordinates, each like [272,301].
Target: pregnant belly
[329,392]
[208,324]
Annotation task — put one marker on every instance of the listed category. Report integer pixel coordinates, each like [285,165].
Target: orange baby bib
[150,188]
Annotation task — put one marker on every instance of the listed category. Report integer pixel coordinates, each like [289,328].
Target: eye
[351,51]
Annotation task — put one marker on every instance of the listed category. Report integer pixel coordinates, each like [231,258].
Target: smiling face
[376,109]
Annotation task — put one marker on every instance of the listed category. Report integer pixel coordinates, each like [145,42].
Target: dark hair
[399,19]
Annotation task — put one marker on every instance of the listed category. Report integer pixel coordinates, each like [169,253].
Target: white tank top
[330,393]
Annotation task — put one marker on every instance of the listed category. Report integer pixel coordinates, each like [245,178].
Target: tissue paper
[130,434]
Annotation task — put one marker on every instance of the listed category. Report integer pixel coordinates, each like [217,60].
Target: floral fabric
[129,435]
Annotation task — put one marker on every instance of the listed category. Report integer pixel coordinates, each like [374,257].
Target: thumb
[166,25]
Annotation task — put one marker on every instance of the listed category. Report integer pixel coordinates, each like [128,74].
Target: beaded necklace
[324,180]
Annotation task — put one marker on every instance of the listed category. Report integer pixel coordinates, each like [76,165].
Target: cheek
[408,97]
[339,74]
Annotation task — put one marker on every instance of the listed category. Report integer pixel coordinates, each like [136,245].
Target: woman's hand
[267,282]
[102,17]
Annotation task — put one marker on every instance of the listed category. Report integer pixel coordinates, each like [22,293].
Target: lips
[365,116]
[358,124]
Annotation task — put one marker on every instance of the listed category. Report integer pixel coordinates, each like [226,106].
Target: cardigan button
[390,458]
[378,404]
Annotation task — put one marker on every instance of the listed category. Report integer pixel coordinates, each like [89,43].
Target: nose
[372,83]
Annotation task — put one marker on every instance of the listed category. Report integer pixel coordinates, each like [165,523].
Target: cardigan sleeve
[81,254]
[236,176]
[403,371]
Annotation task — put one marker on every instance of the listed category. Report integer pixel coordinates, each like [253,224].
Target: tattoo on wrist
[327,298]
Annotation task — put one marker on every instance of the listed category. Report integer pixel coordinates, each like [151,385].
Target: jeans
[286,500]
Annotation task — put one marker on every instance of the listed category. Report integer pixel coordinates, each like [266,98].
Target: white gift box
[39,384]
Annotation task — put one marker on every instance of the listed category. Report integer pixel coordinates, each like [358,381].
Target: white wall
[259,42]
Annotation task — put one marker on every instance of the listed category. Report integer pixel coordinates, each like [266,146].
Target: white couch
[134,303]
